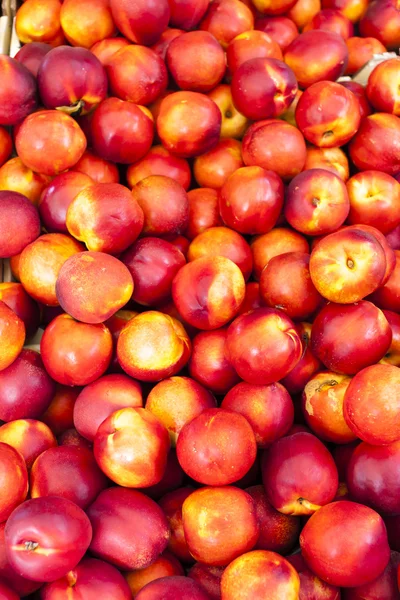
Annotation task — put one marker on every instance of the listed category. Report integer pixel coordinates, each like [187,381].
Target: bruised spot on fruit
[327,134]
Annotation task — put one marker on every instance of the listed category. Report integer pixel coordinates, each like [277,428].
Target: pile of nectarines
[200,332]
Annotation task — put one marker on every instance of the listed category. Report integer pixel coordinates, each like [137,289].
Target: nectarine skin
[372,476]
[316,202]
[342,334]
[158,161]
[140,22]
[29,436]
[14,478]
[224,462]
[374,200]
[209,578]
[281,29]
[40,263]
[19,223]
[73,79]
[46,537]
[26,389]
[57,197]
[285,283]
[180,109]
[376,144]
[40,22]
[277,241]
[166,565]
[141,65]
[12,336]
[264,192]
[153,264]
[208,291]
[86,23]
[226,19]
[100,399]
[90,579]
[17,177]
[268,408]
[196,61]
[371,404]
[55,130]
[176,401]
[220,523]
[322,403]
[348,265]
[131,447]
[164,203]
[263,88]
[172,503]
[299,474]
[278,532]
[18,97]
[275,145]
[76,353]
[332,57]
[260,574]
[59,414]
[263,346]
[153,346]
[382,21]
[122,132]
[170,588]
[67,472]
[329,19]
[345,544]
[129,529]
[92,286]
[105,217]
[209,363]
[22,586]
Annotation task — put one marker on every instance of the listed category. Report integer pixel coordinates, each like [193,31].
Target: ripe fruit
[220,524]
[225,462]
[262,574]
[129,529]
[153,346]
[263,88]
[299,474]
[371,403]
[263,346]
[46,538]
[52,129]
[189,124]
[79,290]
[141,439]
[72,80]
[345,544]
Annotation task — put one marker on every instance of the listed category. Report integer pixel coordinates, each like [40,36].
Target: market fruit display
[200,301]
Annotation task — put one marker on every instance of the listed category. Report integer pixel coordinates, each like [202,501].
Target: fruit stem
[311,508]
[71,578]
[30,546]
[75,109]
[330,383]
